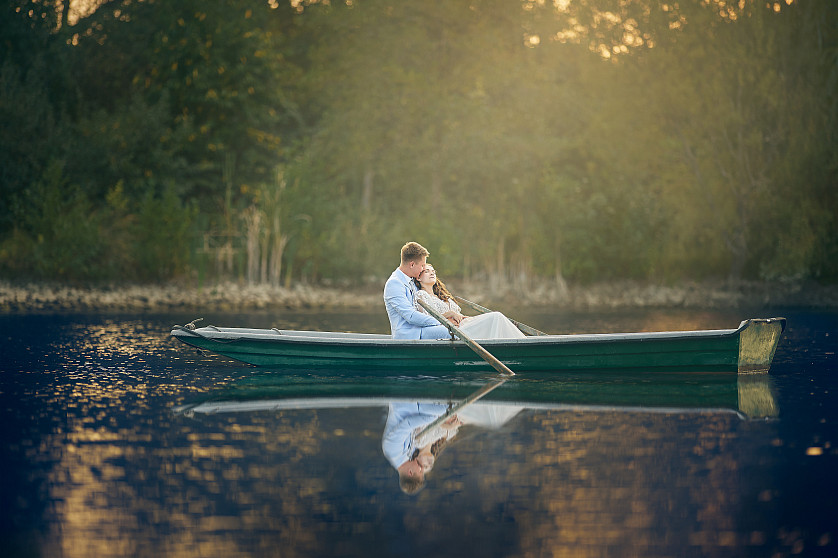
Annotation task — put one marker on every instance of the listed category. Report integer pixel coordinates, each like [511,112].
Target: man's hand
[454,317]
[452,423]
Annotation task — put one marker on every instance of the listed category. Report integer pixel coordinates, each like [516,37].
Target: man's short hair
[411,485]
[413,252]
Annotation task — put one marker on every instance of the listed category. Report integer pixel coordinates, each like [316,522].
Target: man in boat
[406,321]
[413,455]
[404,421]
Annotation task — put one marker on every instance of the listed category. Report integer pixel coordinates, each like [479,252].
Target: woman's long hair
[436,448]
[441,291]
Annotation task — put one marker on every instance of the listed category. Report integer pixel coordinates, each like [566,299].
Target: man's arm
[396,298]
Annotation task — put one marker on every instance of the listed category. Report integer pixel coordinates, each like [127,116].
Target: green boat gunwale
[755,348]
[228,335]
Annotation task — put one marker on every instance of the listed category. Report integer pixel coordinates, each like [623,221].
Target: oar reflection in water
[416,432]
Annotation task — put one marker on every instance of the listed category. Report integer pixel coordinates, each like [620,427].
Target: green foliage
[162,244]
[59,237]
[598,140]
[30,135]
[135,145]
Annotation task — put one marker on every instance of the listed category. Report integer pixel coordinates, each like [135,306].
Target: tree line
[307,141]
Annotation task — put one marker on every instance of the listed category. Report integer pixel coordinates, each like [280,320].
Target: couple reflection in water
[412,448]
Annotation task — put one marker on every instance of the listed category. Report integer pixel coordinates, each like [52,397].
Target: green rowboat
[748,348]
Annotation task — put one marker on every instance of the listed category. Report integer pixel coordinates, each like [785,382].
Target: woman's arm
[440,306]
[453,312]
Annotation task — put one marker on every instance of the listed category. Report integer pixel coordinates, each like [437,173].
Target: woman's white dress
[492,325]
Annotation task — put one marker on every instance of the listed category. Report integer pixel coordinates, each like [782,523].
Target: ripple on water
[98,463]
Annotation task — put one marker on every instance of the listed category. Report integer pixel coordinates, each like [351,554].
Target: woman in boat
[426,455]
[492,325]
[404,421]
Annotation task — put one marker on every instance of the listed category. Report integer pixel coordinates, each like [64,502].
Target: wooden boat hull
[748,348]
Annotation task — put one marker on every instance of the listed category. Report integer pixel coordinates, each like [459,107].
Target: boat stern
[758,340]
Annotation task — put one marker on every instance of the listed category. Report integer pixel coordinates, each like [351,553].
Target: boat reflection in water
[749,395]
[425,415]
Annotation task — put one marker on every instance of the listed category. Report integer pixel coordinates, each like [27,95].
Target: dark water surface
[96,460]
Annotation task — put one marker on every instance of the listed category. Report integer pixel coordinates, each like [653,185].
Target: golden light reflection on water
[124,476]
[560,483]
[114,492]
[109,338]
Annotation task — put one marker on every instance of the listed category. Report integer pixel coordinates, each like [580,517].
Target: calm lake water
[99,459]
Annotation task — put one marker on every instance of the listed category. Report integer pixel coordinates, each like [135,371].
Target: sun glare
[81,8]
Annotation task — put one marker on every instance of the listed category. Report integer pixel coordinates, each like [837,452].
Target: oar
[483,310]
[483,353]
[420,440]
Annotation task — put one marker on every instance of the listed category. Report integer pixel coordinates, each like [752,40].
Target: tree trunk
[366,193]
[561,283]
[253,226]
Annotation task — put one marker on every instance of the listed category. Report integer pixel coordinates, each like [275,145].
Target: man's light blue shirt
[403,422]
[406,322]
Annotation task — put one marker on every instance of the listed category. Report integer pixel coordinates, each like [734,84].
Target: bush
[59,237]
[161,245]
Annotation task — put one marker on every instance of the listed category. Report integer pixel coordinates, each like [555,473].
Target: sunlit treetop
[615,27]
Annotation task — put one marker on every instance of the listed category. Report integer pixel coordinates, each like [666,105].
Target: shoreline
[231,296]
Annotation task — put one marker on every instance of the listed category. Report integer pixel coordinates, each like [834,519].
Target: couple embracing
[416,279]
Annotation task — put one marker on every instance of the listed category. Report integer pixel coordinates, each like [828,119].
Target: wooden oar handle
[483,353]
